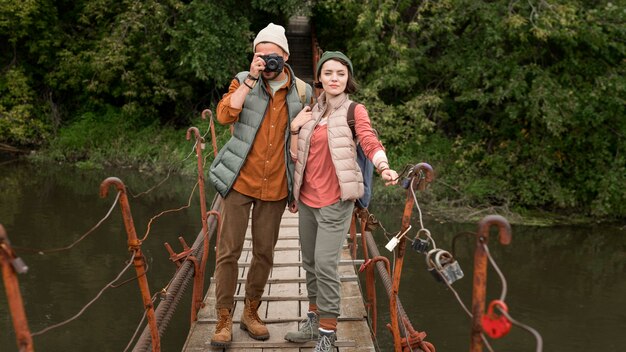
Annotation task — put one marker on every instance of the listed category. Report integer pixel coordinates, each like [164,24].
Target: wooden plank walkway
[285,303]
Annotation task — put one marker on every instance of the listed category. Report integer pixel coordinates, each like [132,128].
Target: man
[254,171]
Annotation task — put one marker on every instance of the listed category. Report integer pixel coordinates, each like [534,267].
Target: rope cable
[130,262]
[177,287]
[495,266]
[369,325]
[44,251]
[169,211]
[136,277]
[143,317]
[534,332]
[417,204]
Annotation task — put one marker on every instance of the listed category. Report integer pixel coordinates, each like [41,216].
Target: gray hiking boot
[309,330]
[326,341]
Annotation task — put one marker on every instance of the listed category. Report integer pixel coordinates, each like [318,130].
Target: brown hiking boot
[223,330]
[251,322]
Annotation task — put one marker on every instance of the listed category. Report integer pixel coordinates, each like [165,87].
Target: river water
[567,282]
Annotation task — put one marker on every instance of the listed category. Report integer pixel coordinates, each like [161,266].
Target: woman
[327,181]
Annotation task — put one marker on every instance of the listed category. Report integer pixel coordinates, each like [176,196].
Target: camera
[273,63]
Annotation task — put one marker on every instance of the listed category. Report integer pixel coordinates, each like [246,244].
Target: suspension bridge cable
[419,210]
[179,283]
[143,317]
[169,211]
[44,251]
[534,332]
[369,325]
[130,263]
[497,268]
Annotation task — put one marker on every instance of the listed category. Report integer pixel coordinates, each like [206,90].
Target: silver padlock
[430,264]
[448,267]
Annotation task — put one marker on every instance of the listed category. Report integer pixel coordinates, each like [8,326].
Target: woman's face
[334,77]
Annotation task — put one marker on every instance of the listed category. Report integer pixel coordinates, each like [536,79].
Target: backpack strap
[301,89]
[350,118]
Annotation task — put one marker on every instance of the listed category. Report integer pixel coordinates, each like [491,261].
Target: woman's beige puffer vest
[342,150]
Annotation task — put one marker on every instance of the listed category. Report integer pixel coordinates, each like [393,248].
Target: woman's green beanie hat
[333,55]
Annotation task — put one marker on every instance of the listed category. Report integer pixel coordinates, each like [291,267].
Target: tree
[529,95]
[154,61]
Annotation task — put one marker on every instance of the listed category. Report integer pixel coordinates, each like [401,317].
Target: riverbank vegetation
[519,106]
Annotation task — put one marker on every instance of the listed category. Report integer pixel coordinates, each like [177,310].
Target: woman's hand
[303,117]
[293,207]
[389,175]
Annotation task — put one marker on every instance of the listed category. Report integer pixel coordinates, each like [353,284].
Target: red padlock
[493,324]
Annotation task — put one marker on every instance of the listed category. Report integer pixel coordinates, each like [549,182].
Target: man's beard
[270,76]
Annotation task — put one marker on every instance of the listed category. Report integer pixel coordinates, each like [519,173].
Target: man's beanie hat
[333,55]
[273,33]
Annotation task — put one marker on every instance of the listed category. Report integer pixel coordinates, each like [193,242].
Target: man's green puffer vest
[226,166]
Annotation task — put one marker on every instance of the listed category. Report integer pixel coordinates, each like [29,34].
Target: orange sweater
[263,174]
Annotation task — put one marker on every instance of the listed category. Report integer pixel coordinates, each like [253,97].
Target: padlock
[430,265]
[19,266]
[421,245]
[493,324]
[448,267]
[393,242]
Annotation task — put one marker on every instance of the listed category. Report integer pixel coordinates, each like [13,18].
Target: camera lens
[271,65]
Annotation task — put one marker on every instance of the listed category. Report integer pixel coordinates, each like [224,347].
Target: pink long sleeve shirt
[320,186]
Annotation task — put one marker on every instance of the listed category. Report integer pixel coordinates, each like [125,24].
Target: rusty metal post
[363,216]
[14,297]
[198,286]
[401,249]
[479,290]
[212,125]
[134,245]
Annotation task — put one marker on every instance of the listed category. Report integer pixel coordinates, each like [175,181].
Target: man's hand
[257,66]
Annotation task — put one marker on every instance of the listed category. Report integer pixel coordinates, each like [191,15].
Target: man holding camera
[254,171]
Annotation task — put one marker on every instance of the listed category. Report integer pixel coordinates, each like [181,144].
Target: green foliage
[210,48]
[156,61]
[514,103]
[530,93]
[18,110]
[109,138]
[278,8]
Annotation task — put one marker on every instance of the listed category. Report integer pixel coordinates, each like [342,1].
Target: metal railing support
[400,249]
[134,245]
[198,285]
[10,264]
[480,273]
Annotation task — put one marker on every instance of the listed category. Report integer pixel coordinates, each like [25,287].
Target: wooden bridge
[285,303]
